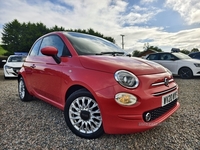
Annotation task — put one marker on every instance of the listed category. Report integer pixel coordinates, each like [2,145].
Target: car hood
[14,64]
[113,63]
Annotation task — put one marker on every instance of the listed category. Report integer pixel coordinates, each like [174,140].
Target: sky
[163,23]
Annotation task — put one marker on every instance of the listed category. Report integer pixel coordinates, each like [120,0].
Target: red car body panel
[49,81]
[112,64]
[122,120]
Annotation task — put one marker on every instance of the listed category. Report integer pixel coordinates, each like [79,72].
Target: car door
[46,73]
[169,61]
[29,65]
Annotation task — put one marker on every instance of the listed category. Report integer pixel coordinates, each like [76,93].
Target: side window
[55,41]
[197,56]
[193,56]
[35,48]
[153,57]
[173,57]
[165,57]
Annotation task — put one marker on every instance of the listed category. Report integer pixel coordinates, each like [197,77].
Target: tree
[31,33]
[19,37]
[147,47]
[195,50]
[136,53]
[155,48]
[185,51]
[11,35]
[56,28]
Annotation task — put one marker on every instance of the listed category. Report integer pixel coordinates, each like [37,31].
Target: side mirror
[51,51]
[4,61]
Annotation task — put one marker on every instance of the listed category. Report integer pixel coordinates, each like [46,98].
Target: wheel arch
[18,77]
[185,67]
[25,81]
[74,88]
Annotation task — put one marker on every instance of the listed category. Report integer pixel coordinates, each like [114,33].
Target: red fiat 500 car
[98,87]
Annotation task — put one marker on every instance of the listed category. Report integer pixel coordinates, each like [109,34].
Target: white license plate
[168,98]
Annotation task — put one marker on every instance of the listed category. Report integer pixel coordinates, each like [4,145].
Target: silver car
[13,65]
[178,63]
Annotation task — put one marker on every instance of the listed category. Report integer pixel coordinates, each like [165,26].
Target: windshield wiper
[112,53]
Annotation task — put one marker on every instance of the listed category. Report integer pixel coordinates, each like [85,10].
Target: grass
[2,51]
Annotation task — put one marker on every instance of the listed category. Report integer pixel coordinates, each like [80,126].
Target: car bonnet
[14,64]
[113,63]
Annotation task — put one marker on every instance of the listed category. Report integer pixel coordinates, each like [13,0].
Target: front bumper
[11,72]
[119,119]
[196,71]
[136,123]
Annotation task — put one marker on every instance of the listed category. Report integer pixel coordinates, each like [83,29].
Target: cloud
[109,17]
[140,15]
[103,17]
[185,39]
[188,9]
[147,1]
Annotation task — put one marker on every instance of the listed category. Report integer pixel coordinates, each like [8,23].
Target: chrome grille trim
[161,83]
[166,91]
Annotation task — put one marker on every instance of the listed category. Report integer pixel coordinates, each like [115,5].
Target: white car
[178,63]
[13,65]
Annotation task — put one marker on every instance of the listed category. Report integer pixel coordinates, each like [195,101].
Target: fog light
[125,99]
[147,117]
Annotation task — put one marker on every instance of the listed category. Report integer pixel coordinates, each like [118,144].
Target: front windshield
[16,59]
[182,56]
[85,44]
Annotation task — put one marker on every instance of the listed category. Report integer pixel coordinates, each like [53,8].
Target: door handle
[33,66]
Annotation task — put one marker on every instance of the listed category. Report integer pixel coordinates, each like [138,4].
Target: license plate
[168,98]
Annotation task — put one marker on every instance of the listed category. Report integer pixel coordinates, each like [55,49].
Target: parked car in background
[178,63]
[13,65]
[99,88]
[195,55]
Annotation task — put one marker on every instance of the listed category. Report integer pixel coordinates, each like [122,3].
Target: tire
[83,116]
[22,91]
[185,73]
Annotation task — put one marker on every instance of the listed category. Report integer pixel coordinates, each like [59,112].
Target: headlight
[125,99]
[197,65]
[8,67]
[126,79]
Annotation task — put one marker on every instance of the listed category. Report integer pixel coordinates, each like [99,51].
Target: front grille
[16,70]
[156,113]
[162,83]
[165,92]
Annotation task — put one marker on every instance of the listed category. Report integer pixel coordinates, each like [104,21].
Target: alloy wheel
[85,116]
[21,89]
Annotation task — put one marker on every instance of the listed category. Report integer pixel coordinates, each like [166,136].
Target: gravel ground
[38,125]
